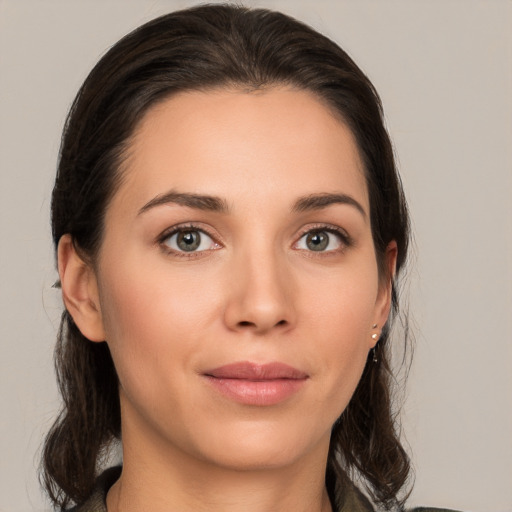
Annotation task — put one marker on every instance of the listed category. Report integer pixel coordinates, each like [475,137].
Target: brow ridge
[217,204]
[197,201]
[323,200]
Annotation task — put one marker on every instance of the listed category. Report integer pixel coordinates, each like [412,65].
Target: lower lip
[257,392]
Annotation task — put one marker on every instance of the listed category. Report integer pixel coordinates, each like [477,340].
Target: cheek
[340,320]
[134,313]
[344,304]
[154,316]
[148,297]
[153,330]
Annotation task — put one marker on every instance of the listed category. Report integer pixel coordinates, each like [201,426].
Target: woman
[229,226]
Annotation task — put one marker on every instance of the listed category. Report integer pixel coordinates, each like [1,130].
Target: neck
[231,492]
[159,477]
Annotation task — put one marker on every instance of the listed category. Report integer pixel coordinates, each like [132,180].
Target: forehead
[227,141]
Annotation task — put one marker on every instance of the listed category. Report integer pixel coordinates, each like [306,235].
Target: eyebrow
[319,201]
[217,204]
[197,201]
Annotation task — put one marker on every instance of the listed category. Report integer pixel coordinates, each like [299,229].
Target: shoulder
[430,509]
[97,502]
[356,501]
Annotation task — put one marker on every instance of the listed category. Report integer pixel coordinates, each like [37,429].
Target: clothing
[354,500]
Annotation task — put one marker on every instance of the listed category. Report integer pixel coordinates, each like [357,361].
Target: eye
[189,240]
[322,240]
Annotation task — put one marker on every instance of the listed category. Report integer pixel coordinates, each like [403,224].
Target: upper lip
[246,370]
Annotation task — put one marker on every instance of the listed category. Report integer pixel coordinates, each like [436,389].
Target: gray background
[443,69]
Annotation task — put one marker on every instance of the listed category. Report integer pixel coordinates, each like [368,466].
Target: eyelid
[188,226]
[345,238]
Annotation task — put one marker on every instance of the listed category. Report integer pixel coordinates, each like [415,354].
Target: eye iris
[188,240]
[317,241]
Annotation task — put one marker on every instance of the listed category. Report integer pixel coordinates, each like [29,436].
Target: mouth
[256,384]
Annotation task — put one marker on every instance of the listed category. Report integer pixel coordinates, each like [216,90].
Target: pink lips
[256,384]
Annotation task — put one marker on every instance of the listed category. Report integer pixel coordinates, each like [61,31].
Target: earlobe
[79,290]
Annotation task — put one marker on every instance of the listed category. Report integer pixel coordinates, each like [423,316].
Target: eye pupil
[317,241]
[188,240]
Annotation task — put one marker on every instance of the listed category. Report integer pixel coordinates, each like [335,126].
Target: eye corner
[323,240]
[188,241]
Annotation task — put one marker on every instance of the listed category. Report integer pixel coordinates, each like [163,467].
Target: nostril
[246,323]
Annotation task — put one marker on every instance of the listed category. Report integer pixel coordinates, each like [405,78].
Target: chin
[255,458]
[262,446]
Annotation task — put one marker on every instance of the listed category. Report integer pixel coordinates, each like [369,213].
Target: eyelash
[345,240]
[180,229]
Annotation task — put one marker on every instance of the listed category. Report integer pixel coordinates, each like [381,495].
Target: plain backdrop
[443,69]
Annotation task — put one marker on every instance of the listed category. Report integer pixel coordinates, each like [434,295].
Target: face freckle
[262,293]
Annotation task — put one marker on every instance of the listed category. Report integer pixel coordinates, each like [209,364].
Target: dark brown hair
[196,49]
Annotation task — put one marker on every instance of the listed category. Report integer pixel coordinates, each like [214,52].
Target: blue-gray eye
[189,240]
[319,241]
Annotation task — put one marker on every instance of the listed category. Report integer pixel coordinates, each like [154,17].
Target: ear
[383,302]
[80,290]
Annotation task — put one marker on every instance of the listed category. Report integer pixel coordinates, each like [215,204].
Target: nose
[260,297]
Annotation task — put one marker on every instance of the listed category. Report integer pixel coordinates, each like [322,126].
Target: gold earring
[375,337]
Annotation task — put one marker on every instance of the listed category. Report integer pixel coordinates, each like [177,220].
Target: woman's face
[237,283]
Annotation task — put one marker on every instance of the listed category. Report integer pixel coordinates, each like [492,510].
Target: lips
[256,372]
[256,384]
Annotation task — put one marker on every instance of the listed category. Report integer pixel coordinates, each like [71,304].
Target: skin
[257,292]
